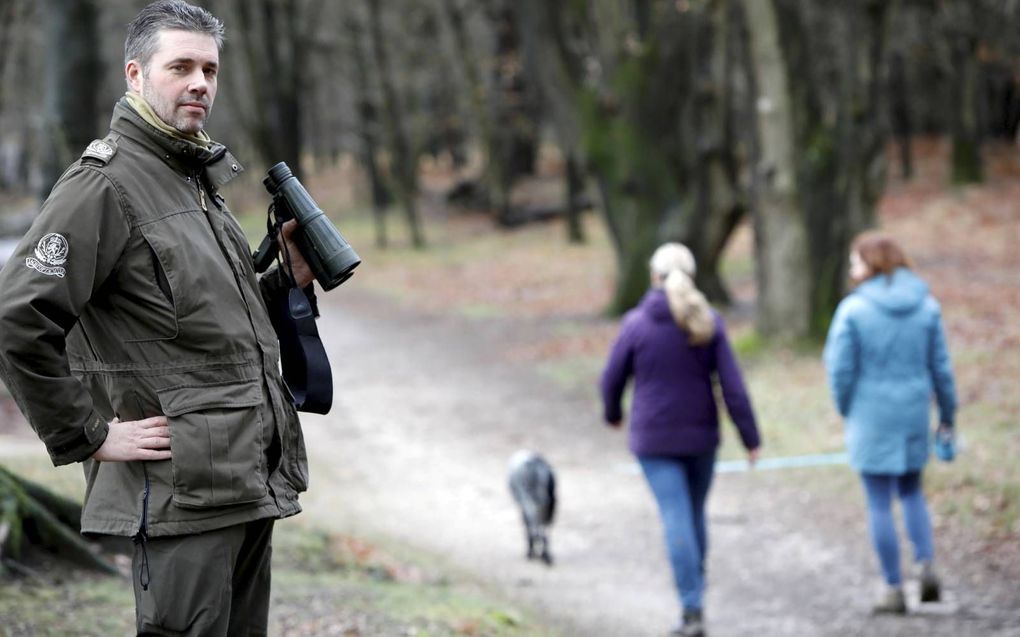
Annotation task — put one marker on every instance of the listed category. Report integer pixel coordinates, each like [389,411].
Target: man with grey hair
[135,337]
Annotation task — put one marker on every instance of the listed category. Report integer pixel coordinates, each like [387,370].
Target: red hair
[880,252]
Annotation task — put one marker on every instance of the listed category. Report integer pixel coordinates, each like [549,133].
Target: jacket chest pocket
[140,306]
[216,443]
[191,270]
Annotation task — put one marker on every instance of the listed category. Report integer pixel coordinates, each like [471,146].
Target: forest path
[428,411]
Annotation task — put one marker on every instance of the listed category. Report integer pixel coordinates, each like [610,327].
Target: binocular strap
[305,364]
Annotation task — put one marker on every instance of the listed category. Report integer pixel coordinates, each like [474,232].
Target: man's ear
[133,73]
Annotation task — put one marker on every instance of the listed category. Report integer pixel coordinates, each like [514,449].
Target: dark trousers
[207,584]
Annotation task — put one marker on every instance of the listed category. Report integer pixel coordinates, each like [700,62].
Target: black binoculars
[331,259]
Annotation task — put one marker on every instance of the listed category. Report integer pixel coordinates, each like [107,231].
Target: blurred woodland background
[670,120]
[514,163]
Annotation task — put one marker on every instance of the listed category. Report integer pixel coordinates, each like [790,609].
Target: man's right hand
[147,439]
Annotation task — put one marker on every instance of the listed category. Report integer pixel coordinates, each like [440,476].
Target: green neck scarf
[145,112]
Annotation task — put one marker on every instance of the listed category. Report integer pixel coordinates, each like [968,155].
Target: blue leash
[767,464]
[787,462]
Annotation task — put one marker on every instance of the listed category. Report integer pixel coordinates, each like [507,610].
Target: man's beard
[167,111]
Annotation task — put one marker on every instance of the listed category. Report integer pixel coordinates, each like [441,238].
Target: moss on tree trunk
[967,164]
[33,516]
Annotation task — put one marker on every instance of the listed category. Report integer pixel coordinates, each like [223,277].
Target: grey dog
[533,485]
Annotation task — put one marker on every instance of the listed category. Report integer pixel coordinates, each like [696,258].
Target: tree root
[31,514]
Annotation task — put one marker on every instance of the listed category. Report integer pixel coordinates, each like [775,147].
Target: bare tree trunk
[285,59]
[8,20]
[73,71]
[715,195]
[556,71]
[403,161]
[575,195]
[368,125]
[780,233]
[262,124]
[467,57]
[321,130]
[12,22]
[516,125]
[507,115]
[275,36]
[821,159]
[634,208]
[650,117]
[902,121]
[844,193]
[964,91]
[1003,100]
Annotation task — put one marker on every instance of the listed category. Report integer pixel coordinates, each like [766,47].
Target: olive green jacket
[133,295]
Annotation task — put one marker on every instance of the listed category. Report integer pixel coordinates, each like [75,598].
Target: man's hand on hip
[147,439]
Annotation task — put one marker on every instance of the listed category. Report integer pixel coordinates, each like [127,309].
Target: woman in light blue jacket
[886,356]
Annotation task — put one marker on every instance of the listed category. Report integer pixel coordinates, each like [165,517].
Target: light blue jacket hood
[899,293]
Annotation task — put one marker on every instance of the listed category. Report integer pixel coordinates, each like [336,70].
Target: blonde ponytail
[689,307]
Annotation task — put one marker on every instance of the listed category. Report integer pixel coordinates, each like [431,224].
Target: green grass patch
[67,480]
[748,344]
[347,580]
[576,373]
[71,603]
[321,581]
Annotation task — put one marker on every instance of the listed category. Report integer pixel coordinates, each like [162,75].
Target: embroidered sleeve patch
[100,150]
[50,253]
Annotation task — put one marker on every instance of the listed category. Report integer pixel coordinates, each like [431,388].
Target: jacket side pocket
[216,443]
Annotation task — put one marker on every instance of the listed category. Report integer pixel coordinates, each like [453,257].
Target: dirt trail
[428,412]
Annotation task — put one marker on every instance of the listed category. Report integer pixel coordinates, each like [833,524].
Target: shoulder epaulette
[101,150]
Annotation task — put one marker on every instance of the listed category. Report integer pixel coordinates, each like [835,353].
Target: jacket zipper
[201,192]
[226,255]
[142,536]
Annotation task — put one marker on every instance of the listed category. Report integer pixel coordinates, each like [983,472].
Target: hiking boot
[691,626]
[931,588]
[892,602]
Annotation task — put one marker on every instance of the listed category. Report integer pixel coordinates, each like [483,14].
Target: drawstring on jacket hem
[142,537]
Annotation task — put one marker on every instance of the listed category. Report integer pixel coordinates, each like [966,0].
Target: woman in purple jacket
[673,345]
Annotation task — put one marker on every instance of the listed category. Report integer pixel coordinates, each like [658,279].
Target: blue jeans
[880,490]
[680,486]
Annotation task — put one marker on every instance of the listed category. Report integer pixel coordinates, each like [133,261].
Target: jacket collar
[656,306]
[180,154]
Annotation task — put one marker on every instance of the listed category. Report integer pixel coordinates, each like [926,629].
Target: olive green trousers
[211,584]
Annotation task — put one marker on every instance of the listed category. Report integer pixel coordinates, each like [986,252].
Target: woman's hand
[752,456]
